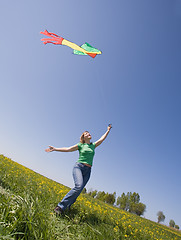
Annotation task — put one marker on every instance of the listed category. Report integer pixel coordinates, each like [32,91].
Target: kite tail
[54,38]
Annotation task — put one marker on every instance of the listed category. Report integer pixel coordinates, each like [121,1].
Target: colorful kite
[85,49]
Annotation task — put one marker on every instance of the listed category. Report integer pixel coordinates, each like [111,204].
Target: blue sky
[50,96]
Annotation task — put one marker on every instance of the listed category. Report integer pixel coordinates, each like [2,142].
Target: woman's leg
[86,175]
[81,176]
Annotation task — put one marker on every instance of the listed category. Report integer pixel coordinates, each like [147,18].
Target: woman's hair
[82,137]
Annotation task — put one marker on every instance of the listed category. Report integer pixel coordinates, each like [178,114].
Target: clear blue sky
[50,96]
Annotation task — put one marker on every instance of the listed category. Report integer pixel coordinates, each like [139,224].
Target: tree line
[129,202]
[161,218]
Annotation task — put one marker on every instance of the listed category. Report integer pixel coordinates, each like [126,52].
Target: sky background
[49,96]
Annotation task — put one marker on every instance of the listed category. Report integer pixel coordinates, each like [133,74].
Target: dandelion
[116,229]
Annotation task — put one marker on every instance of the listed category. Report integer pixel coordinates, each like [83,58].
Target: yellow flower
[116,229]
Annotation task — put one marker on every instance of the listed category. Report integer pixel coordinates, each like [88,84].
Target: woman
[82,168]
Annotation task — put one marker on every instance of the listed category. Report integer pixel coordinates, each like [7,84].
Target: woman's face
[87,135]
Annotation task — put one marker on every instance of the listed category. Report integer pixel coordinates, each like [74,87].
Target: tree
[139,209]
[131,202]
[110,198]
[105,197]
[177,226]
[101,196]
[84,190]
[161,216]
[172,223]
[123,202]
[93,193]
[134,199]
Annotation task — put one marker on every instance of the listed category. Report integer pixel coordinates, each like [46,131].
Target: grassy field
[27,200]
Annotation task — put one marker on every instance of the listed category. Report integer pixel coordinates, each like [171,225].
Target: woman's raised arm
[98,142]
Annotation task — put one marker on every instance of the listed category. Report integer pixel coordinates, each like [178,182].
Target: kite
[85,49]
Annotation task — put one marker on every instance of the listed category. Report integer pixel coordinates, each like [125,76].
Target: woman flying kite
[85,49]
[82,168]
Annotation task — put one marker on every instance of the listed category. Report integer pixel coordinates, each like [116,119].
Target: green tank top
[86,152]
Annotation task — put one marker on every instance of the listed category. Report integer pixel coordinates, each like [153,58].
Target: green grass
[27,200]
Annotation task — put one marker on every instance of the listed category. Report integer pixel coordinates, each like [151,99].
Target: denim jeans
[81,175]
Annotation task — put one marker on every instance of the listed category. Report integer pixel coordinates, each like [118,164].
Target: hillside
[27,200]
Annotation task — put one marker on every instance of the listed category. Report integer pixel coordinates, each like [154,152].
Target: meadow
[27,200]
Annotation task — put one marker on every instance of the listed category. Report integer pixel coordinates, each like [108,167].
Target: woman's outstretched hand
[50,149]
[109,127]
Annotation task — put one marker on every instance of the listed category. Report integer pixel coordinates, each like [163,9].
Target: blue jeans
[81,175]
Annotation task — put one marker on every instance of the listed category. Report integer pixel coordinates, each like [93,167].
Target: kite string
[104,104]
